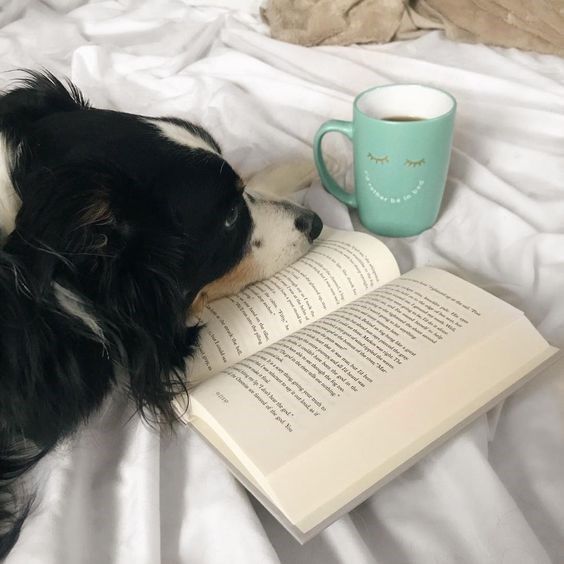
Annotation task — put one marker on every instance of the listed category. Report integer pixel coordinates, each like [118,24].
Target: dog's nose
[310,224]
[316,227]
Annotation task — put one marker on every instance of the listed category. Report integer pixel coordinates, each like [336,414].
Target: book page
[293,394]
[340,267]
[371,448]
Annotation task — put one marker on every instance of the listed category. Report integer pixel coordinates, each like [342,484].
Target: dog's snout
[310,224]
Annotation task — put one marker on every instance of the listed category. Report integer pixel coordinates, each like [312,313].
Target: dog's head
[127,222]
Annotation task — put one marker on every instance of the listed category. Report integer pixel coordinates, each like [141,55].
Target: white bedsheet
[495,494]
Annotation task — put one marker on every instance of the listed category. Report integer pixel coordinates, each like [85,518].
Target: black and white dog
[112,227]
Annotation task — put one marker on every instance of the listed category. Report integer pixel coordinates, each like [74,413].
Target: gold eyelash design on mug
[379,160]
[409,162]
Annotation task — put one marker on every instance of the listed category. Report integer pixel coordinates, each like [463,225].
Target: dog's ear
[93,230]
[66,218]
[35,96]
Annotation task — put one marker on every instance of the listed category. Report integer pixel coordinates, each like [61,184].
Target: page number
[221,397]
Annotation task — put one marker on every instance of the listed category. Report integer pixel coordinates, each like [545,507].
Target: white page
[294,393]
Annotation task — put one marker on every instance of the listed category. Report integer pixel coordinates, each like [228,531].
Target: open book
[322,383]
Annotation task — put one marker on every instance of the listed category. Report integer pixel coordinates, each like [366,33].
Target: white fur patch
[74,306]
[276,242]
[181,135]
[9,200]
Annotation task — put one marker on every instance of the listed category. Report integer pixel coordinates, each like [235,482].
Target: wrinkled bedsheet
[120,493]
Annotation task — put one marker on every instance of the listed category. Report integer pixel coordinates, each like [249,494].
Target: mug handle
[346,128]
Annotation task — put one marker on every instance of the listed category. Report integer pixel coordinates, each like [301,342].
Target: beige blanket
[535,25]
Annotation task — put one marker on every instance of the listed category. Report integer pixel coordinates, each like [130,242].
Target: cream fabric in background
[525,24]
[119,493]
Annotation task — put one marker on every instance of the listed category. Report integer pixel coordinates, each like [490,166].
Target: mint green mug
[402,136]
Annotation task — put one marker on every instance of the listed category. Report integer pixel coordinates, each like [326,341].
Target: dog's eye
[232,217]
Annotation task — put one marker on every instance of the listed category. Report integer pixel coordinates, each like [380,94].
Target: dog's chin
[282,233]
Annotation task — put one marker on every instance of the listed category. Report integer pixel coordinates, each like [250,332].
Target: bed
[121,493]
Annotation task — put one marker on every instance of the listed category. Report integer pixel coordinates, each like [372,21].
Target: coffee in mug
[402,118]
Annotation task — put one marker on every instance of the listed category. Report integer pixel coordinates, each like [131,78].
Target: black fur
[123,224]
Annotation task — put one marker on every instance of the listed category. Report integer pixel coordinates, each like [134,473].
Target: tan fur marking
[235,280]
[98,211]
